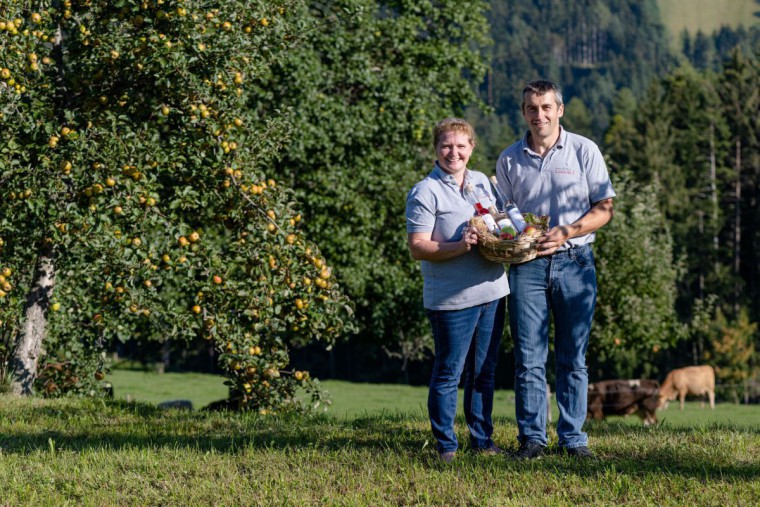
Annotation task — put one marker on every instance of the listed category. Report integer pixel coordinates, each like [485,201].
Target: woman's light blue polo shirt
[436,205]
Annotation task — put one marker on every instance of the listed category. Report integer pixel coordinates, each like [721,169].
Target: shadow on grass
[703,452]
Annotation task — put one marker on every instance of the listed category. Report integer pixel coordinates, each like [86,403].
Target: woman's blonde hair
[452,125]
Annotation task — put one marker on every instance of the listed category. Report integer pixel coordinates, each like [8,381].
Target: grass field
[150,387]
[352,400]
[347,400]
[707,15]
[95,452]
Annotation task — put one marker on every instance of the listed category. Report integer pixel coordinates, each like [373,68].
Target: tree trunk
[23,364]
[33,331]
[490,87]
[738,226]
[701,280]
[714,194]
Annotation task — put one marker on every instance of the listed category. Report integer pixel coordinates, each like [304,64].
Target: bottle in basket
[517,219]
[480,202]
[510,208]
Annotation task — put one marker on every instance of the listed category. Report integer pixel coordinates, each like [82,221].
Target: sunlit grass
[350,400]
[93,452]
[151,387]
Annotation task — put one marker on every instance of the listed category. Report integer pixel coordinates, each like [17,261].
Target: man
[553,172]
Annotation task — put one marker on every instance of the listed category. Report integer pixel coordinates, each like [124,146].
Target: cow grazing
[623,397]
[696,380]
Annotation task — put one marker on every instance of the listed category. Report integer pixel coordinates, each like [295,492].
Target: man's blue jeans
[465,341]
[564,285]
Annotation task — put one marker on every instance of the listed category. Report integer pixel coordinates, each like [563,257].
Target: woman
[464,294]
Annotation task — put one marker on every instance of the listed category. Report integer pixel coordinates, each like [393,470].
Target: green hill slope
[707,15]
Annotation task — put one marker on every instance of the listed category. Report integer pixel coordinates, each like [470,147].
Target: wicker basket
[512,251]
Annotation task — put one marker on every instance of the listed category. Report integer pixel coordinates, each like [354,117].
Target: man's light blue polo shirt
[564,184]
[436,205]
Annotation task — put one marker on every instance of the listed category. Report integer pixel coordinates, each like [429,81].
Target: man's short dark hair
[542,86]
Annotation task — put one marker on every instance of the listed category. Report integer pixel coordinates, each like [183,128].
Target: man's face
[542,114]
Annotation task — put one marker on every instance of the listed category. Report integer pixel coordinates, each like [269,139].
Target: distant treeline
[709,51]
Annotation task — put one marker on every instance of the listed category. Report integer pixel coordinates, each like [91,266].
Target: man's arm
[598,216]
[423,248]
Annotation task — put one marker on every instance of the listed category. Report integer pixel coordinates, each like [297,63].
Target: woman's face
[453,151]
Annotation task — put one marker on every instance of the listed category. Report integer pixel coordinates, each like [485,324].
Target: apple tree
[140,196]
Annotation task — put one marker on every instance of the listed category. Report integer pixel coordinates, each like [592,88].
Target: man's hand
[599,214]
[552,240]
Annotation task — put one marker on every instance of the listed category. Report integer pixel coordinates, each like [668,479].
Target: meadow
[372,448]
[351,400]
[707,15]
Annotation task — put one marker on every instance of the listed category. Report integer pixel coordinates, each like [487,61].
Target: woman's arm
[423,248]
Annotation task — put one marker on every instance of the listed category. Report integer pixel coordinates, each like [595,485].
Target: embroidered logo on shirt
[564,170]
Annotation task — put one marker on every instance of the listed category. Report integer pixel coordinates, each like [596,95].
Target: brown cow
[623,397]
[696,380]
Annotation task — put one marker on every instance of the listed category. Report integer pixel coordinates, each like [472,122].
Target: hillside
[707,15]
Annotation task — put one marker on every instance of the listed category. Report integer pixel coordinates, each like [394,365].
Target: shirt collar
[560,144]
[448,178]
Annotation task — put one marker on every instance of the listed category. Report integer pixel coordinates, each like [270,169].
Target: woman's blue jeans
[564,285]
[466,341]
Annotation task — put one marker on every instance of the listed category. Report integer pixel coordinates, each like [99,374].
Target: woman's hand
[469,237]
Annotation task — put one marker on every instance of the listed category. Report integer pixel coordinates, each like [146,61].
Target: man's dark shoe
[529,450]
[581,452]
[491,450]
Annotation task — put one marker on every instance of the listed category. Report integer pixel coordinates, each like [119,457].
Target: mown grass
[347,399]
[351,400]
[707,15]
[151,387]
[94,452]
